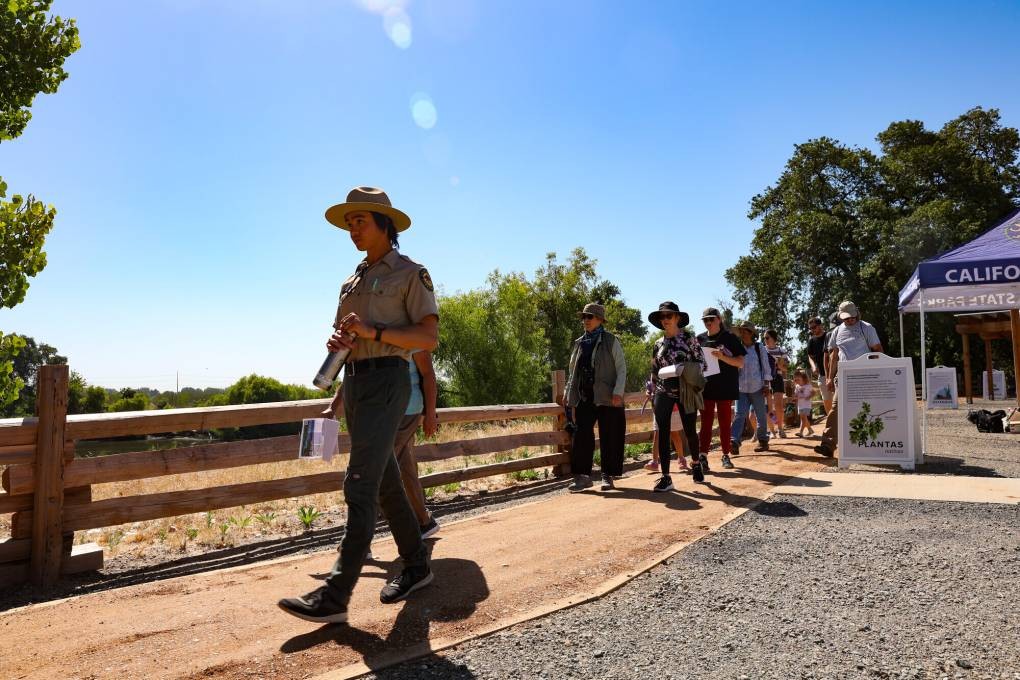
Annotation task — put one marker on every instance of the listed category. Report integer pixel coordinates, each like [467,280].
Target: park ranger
[387,310]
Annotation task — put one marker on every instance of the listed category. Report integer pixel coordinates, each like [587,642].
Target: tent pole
[1014,327]
[903,351]
[924,390]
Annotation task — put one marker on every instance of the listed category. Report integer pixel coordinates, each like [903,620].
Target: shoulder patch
[426,280]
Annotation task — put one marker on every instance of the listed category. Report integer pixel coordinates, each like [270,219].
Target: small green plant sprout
[224,528]
[113,539]
[307,514]
[241,522]
[864,427]
[525,475]
[265,518]
[192,533]
[161,534]
[452,487]
[430,492]
[209,517]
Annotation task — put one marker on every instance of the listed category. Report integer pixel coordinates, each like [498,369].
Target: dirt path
[491,571]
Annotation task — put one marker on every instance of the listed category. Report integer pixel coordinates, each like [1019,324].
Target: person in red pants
[722,388]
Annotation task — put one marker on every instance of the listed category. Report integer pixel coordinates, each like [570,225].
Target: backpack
[773,370]
[987,421]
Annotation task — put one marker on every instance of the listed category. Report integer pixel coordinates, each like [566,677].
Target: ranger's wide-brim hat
[668,306]
[368,199]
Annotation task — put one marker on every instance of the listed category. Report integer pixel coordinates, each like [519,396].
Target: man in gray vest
[597,375]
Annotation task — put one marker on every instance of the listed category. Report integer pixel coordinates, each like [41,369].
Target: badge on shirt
[426,280]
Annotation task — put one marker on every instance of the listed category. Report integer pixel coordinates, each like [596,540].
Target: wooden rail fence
[49,490]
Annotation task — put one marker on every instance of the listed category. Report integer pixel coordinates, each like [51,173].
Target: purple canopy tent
[981,275]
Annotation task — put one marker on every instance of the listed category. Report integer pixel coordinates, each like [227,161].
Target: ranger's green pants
[374,403]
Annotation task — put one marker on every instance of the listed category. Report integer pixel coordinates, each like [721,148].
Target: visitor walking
[755,390]
[851,340]
[777,401]
[597,377]
[817,358]
[802,393]
[723,388]
[678,376]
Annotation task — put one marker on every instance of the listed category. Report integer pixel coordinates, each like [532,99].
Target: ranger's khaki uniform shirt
[396,291]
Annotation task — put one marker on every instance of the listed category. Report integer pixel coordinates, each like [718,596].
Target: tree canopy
[849,223]
[33,47]
[498,344]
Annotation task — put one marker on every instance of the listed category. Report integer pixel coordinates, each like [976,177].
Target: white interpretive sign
[999,382]
[877,411]
[942,390]
[318,438]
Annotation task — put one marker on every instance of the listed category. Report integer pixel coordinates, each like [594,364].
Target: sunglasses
[667,315]
[587,317]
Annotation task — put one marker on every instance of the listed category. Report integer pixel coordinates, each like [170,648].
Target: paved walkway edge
[1002,490]
[603,589]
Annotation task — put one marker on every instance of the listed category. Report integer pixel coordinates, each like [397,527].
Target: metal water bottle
[330,368]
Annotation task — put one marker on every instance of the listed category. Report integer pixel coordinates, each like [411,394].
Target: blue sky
[196,144]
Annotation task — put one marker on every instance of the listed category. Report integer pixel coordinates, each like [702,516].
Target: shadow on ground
[408,638]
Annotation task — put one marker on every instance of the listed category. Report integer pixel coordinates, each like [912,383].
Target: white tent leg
[924,385]
[903,351]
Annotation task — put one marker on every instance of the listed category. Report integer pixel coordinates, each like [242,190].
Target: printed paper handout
[318,438]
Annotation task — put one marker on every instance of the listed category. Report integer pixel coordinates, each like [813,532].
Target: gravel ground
[955,447]
[802,587]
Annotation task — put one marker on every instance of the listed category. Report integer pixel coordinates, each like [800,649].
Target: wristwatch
[379,328]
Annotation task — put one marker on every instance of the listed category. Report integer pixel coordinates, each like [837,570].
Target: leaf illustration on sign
[864,427]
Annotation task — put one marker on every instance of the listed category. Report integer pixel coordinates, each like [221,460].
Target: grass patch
[635,451]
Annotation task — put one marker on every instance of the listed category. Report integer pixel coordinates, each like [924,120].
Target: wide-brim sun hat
[749,327]
[595,309]
[669,306]
[369,199]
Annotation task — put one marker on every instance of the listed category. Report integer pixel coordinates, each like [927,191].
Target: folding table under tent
[981,275]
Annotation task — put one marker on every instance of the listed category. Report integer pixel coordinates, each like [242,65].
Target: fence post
[559,383]
[48,503]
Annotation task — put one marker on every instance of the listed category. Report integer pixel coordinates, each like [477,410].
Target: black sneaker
[762,446]
[824,450]
[430,529]
[665,483]
[726,462]
[410,580]
[315,606]
[703,459]
[697,473]
[607,483]
[734,448]
[580,483]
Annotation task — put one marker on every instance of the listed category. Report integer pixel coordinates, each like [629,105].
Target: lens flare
[397,25]
[423,111]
